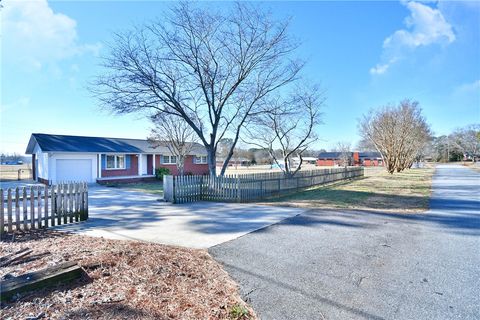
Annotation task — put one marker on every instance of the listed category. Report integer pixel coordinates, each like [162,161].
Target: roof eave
[31,144]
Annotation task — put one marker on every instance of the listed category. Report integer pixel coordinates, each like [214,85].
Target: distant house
[305,160]
[334,159]
[369,159]
[469,156]
[57,158]
[330,159]
[235,162]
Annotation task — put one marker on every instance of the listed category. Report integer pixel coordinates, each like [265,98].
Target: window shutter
[127,161]
[161,159]
[104,161]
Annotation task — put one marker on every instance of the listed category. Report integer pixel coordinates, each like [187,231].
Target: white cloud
[469,87]
[424,26]
[34,35]
[381,68]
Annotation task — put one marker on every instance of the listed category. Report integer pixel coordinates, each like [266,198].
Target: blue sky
[365,54]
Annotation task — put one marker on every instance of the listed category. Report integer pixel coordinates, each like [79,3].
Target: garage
[74,170]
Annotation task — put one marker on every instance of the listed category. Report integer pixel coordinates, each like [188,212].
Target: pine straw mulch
[123,280]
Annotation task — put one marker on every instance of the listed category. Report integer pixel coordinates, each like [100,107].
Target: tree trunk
[212,162]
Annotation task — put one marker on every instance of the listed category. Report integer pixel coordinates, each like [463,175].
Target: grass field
[408,191]
[11,172]
[154,187]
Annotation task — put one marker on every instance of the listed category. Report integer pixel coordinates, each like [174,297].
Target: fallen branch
[16,257]
[50,276]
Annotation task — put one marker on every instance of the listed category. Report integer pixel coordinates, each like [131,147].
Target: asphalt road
[360,265]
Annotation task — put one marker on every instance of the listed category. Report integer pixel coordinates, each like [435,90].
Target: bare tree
[211,68]
[365,145]
[398,132]
[467,140]
[288,128]
[345,155]
[176,134]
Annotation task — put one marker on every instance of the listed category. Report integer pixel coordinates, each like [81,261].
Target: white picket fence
[249,187]
[36,207]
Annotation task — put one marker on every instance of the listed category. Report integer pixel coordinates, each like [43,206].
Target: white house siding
[42,158]
[72,156]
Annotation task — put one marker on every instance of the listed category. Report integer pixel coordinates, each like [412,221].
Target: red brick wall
[132,171]
[325,163]
[190,167]
[371,163]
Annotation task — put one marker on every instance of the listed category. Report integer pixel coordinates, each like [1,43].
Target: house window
[169,159]
[201,159]
[115,162]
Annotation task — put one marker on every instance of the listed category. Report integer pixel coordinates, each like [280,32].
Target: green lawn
[408,191]
[154,187]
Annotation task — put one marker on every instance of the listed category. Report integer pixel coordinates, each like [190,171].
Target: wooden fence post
[45,200]
[58,204]
[174,189]
[25,211]
[32,208]
[65,203]
[2,214]
[17,209]
[239,191]
[52,206]
[70,202]
[86,201]
[9,210]
[39,207]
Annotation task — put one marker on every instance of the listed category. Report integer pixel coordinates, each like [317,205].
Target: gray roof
[330,155]
[63,143]
[369,155]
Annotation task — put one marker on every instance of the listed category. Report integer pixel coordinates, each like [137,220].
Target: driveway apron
[129,215]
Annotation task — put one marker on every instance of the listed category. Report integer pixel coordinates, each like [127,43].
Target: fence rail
[38,207]
[249,187]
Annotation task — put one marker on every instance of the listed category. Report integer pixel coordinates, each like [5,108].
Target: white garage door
[74,170]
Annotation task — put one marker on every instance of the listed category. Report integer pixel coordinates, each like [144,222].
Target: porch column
[153,163]
[99,162]
[140,164]
[34,167]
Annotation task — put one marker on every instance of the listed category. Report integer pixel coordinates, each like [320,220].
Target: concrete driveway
[361,265]
[19,183]
[122,214]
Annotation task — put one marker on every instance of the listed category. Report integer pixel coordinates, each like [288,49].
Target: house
[305,160]
[369,159]
[331,159]
[57,158]
[334,159]
[234,162]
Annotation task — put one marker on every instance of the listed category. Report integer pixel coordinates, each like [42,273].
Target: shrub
[160,172]
[239,312]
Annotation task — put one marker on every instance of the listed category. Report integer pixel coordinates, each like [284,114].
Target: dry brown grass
[126,280]
[473,166]
[11,172]
[407,191]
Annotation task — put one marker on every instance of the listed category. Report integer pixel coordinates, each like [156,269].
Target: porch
[131,167]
